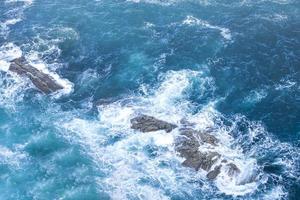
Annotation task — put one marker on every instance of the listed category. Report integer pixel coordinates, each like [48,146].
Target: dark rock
[208,159]
[186,123]
[199,160]
[204,137]
[233,169]
[42,81]
[188,147]
[145,123]
[214,173]
[207,138]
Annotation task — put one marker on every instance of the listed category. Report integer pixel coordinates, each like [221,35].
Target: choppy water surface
[230,66]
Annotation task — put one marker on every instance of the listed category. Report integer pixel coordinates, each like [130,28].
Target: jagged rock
[188,147]
[187,144]
[233,169]
[145,123]
[199,160]
[204,137]
[214,173]
[42,81]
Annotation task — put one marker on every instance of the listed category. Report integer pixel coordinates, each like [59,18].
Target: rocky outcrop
[188,145]
[42,81]
[145,123]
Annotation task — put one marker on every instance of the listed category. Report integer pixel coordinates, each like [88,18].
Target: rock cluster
[188,145]
[42,81]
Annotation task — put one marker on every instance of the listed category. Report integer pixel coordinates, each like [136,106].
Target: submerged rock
[145,123]
[42,81]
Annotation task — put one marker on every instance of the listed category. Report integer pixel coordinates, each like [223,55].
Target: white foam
[192,21]
[87,133]
[127,160]
[11,84]
[285,84]
[8,52]
[10,157]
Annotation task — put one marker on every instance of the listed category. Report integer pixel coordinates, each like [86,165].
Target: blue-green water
[231,66]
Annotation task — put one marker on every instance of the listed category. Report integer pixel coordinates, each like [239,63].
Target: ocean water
[230,66]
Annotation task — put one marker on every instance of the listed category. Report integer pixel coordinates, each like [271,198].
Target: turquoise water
[233,67]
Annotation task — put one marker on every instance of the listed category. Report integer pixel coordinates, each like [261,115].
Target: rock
[186,124]
[208,159]
[188,147]
[199,160]
[187,144]
[145,123]
[42,81]
[214,173]
[207,138]
[233,169]
[204,137]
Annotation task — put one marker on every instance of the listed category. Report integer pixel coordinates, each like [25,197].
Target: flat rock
[42,81]
[145,123]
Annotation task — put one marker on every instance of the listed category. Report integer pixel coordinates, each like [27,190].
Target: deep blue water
[231,66]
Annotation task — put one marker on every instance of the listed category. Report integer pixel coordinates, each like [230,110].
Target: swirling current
[232,67]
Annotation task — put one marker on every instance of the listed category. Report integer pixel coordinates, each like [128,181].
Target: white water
[126,161]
